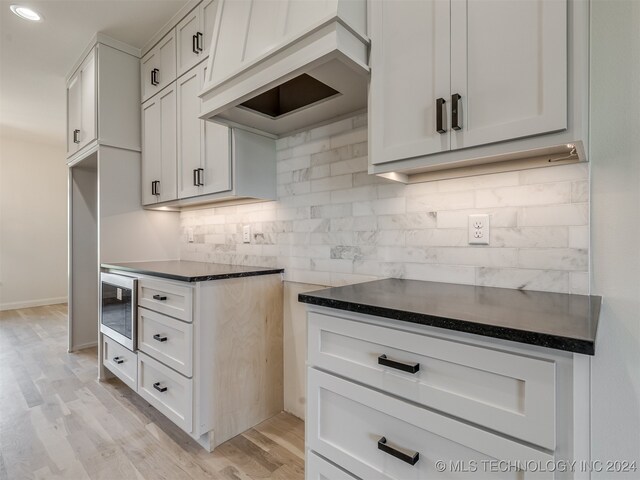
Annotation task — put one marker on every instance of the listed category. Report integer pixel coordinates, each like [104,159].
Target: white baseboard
[32,303]
[82,347]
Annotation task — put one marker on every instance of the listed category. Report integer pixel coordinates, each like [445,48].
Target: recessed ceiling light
[26,13]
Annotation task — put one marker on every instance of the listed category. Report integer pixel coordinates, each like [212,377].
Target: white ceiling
[36,57]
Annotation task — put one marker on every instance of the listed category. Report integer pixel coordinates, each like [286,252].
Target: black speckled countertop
[185,271]
[554,320]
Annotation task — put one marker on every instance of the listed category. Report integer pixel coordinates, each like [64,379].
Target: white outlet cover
[190,235]
[246,234]
[479,229]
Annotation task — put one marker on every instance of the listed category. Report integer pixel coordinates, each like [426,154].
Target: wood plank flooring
[58,422]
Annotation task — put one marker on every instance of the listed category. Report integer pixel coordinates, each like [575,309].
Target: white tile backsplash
[335,224]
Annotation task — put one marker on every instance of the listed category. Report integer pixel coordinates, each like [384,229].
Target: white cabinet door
[509,66]
[216,161]
[189,42]
[88,130]
[151,150]
[158,66]
[168,135]
[159,153]
[208,17]
[410,72]
[74,93]
[189,133]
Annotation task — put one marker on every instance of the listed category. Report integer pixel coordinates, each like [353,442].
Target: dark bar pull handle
[195,177]
[159,388]
[118,360]
[405,367]
[440,116]
[76,136]
[159,338]
[410,459]
[154,76]
[200,172]
[456,118]
[162,298]
[194,44]
[200,42]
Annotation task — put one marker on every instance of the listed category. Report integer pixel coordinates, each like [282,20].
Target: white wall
[615,234]
[33,223]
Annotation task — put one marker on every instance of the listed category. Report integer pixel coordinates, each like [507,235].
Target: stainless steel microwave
[118,308]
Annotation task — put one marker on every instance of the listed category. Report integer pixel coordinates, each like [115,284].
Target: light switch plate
[479,229]
[246,234]
[190,235]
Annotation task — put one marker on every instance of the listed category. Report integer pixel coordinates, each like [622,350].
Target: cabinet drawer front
[166,339]
[120,361]
[365,431]
[509,393]
[176,401]
[168,298]
[317,468]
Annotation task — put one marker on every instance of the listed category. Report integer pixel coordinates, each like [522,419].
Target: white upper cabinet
[193,36]
[204,156]
[81,106]
[158,66]
[101,108]
[509,66]
[406,89]
[454,81]
[159,162]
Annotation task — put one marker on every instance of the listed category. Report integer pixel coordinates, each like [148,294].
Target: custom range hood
[278,67]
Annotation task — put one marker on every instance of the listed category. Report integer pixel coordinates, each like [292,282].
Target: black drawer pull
[456,115]
[162,298]
[194,44]
[118,360]
[405,367]
[410,459]
[199,43]
[440,116]
[159,388]
[159,338]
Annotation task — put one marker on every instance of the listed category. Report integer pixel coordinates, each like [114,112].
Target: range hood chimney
[279,67]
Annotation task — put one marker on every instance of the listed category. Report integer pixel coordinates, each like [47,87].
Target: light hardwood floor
[57,421]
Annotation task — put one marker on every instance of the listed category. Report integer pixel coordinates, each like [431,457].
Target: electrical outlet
[190,235]
[479,229]
[246,234]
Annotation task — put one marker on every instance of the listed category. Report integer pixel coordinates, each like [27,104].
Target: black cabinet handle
[76,136]
[162,298]
[195,177]
[159,338]
[440,116]
[200,42]
[159,388]
[200,172]
[194,44]
[410,459]
[405,367]
[154,76]
[154,187]
[456,118]
[118,360]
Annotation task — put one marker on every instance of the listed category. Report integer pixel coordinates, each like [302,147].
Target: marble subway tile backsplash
[334,224]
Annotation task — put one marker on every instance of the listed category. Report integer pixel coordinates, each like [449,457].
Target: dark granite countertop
[553,320]
[185,271]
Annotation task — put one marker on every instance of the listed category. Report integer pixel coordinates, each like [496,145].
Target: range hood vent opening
[295,94]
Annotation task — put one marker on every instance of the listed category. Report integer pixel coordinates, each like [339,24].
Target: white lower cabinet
[123,363]
[168,391]
[209,353]
[167,339]
[388,400]
[374,435]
